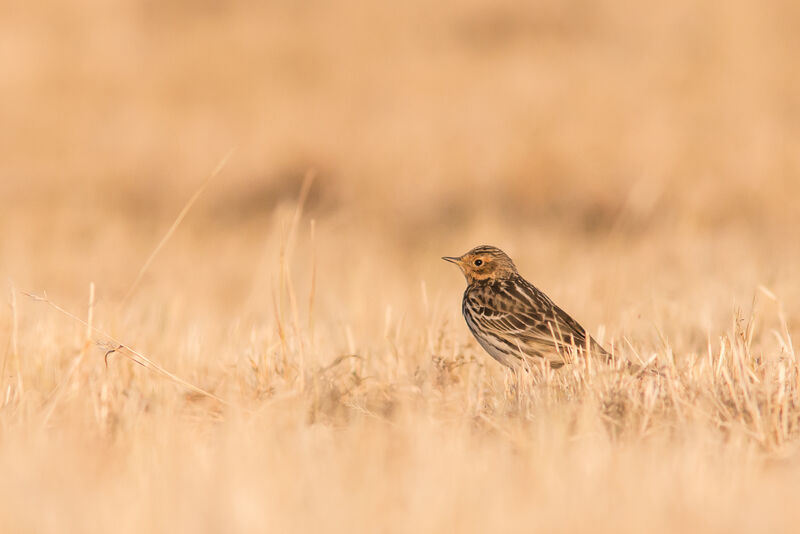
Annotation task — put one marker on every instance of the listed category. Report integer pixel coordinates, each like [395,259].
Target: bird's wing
[567,329]
[518,312]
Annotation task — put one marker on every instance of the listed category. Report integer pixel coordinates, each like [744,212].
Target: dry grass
[639,161]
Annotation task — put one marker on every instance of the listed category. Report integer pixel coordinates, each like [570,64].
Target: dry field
[309,368]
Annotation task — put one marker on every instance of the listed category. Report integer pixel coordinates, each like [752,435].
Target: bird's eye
[478,263]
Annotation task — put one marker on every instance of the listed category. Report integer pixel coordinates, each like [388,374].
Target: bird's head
[484,263]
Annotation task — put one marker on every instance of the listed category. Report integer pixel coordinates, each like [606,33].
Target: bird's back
[511,318]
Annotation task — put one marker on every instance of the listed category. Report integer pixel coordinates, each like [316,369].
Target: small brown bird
[511,318]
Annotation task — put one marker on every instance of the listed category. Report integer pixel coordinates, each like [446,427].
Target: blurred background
[626,145]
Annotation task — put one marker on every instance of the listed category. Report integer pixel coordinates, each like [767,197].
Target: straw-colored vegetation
[304,365]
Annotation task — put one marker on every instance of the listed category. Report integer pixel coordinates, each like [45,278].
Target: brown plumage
[511,318]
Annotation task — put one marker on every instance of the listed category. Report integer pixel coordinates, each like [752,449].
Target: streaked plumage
[511,318]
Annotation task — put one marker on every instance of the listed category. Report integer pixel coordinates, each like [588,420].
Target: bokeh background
[618,150]
[639,160]
[542,127]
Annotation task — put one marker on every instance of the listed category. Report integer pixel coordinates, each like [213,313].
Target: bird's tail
[598,351]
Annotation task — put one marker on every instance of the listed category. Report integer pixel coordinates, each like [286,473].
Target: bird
[514,321]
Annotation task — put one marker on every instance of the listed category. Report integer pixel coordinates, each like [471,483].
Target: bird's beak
[452,259]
